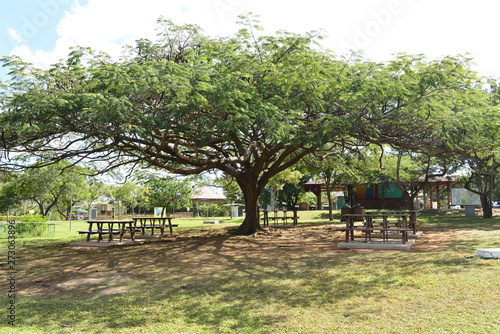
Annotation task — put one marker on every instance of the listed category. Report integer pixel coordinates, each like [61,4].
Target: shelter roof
[432,181]
[207,195]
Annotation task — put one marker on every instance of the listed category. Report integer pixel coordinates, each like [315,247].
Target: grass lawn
[292,280]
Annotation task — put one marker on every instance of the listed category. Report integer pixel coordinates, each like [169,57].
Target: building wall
[382,203]
[378,196]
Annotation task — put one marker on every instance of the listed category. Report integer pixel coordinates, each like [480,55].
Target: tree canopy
[249,106]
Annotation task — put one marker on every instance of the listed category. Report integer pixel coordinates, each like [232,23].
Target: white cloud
[380,28]
[14,34]
[108,25]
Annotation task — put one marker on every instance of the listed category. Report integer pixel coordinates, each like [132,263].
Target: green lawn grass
[194,285]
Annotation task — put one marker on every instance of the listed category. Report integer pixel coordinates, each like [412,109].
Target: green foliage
[32,218]
[308,198]
[169,192]
[29,226]
[9,197]
[212,210]
[130,194]
[31,229]
[50,187]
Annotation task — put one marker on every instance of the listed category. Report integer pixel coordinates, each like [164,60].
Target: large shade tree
[246,105]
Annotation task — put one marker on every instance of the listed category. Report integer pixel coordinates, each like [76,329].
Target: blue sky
[41,31]
[35,20]
[30,22]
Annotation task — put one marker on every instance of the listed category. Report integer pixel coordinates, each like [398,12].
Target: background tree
[249,106]
[231,189]
[93,192]
[278,182]
[348,165]
[128,195]
[51,187]
[474,136]
[169,192]
[483,158]
[10,198]
[412,172]
[291,192]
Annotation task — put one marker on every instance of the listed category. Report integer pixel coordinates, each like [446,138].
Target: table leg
[385,233]
[99,231]
[122,230]
[90,231]
[132,225]
[110,230]
[162,226]
[170,226]
[142,221]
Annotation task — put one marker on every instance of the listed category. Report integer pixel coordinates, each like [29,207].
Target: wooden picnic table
[365,223]
[276,216]
[110,228]
[152,223]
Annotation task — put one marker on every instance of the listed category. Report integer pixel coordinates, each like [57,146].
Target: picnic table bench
[407,216]
[276,217]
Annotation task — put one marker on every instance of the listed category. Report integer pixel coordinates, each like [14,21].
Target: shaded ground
[109,269]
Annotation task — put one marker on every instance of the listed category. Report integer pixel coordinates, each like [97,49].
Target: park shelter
[437,186]
[206,194]
[387,195]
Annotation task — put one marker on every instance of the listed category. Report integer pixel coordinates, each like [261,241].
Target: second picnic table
[405,222]
[276,217]
[152,223]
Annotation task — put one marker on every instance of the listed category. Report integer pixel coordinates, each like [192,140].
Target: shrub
[28,225]
[31,229]
[32,218]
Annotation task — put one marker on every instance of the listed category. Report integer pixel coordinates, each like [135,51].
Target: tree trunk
[487,205]
[330,206]
[40,208]
[328,183]
[251,224]
[485,184]
[409,198]
[351,201]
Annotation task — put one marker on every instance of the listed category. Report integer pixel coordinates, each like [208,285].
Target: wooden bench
[369,230]
[349,236]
